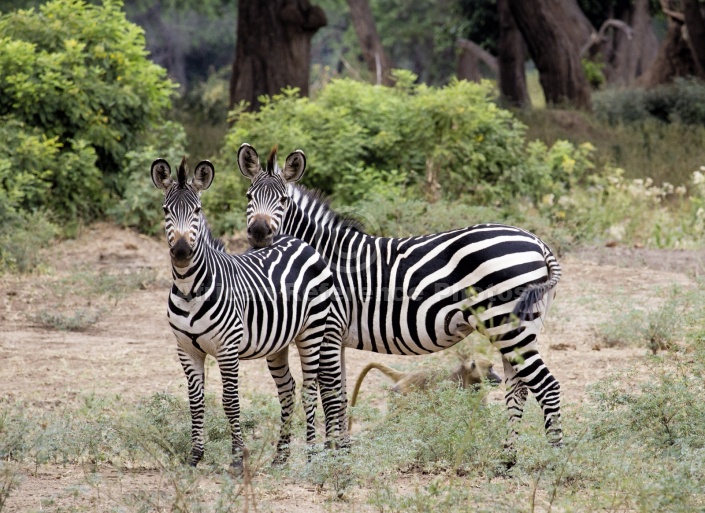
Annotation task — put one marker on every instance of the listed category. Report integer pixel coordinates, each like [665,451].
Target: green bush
[21,236]
[140,203]
[40,172]
[352,130]
[77,92]
[683,101]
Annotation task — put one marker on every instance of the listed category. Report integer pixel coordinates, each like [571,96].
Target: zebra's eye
[249,197]
[197,210]
[166,210]
[284,200]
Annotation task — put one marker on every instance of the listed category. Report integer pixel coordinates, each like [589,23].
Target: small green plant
[80,320]
[22,236]
[655,328]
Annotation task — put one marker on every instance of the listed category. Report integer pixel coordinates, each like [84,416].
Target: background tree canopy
[86,103]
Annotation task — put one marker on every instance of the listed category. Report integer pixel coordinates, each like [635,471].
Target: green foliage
[23,234]
[646,150]
[41,172]
[654,328]
[77,92]
[681,102]
[140,203]
[353,129]
[593,73]
[203,112]
[80,320]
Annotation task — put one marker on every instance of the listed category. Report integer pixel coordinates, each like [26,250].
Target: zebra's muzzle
[181,253]
[259,233]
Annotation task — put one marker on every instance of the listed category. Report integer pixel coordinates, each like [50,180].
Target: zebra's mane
[316,201]
[213,242]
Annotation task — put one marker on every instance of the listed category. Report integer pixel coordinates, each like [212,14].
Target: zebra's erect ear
[203,175]
[161,174]
[248,161]
[294,166]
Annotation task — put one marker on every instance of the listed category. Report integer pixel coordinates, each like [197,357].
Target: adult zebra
[245,307]
[419,295]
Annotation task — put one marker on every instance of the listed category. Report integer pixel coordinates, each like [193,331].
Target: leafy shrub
[682,101]
[353,128]
[22,235]
[77,92]
[40,172]
[140,203]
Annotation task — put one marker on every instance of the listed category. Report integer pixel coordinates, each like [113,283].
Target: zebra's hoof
[194,458]
[280,459]
[237,468]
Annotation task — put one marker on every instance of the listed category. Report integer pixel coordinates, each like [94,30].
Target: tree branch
[482,54]
[599,36]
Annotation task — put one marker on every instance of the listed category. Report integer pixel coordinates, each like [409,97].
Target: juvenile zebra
[420,295]
[245,307]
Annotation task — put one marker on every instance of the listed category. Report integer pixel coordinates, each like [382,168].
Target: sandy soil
[130,350]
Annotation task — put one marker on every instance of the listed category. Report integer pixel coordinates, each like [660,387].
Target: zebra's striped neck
[310,208]
[185,278]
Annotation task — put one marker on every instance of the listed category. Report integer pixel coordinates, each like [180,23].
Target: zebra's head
[268,196]
[182,206]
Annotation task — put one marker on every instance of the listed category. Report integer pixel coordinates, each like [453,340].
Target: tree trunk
[552,34]
[511,54]
[695,23]
[674,58]
[273,48]
[376,58]
[627,59]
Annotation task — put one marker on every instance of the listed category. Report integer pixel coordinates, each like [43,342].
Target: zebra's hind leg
[515,399]
[278,364]
[192,362]
[531,372]
[330,383]
[229,364]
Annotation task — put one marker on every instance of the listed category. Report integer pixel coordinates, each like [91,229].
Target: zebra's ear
[161,174]
[294,166]
[248,161]
[203,175]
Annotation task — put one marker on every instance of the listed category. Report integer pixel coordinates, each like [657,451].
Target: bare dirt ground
[130,350]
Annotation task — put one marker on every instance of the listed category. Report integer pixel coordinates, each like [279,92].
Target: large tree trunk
[552,34]
[273,47]
[511,54]
[674,58]
[626,59]
[379,64]
[695,23]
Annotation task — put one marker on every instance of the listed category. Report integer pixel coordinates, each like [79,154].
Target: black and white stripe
[420,295]
[244,307]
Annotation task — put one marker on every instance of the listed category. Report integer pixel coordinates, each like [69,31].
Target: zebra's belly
[395,331]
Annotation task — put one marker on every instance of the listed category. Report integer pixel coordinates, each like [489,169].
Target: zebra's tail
[535,293]
[394,375]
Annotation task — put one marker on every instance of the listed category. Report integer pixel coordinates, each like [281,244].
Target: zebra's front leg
[343,424]
[278,364]
[192,362]
[229,363]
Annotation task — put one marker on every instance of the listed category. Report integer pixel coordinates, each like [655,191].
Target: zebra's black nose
[259,233]
[181,252]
